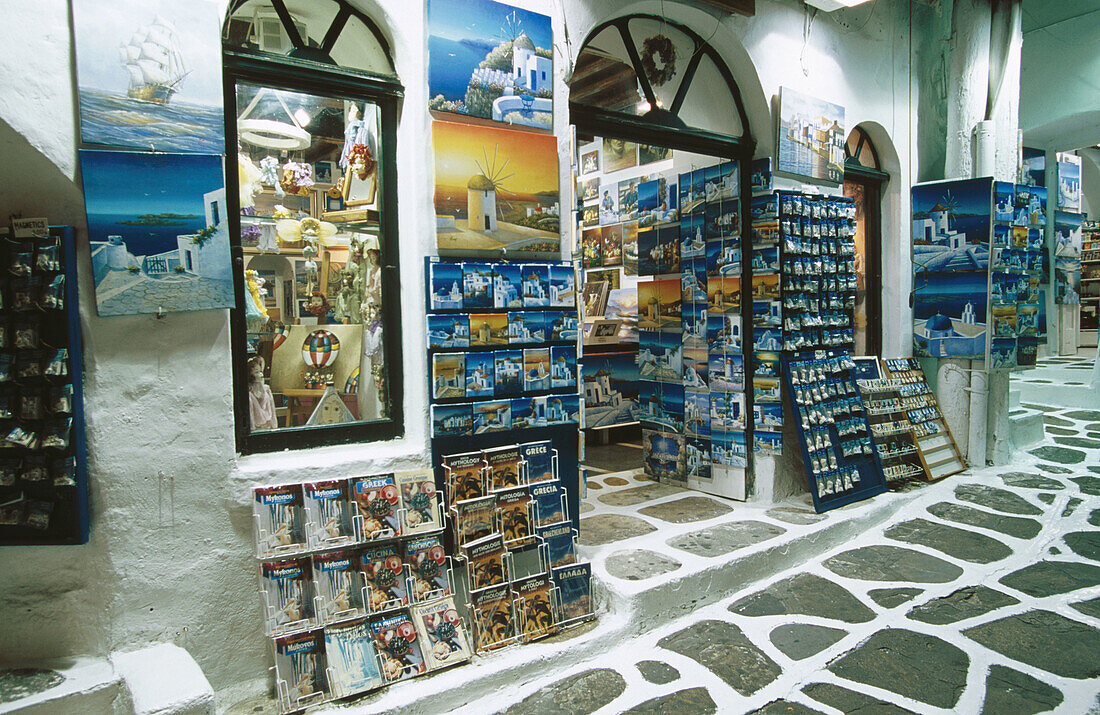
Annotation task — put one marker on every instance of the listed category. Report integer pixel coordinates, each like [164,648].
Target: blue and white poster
[150,75]
[1069,182]
[157,231]
[490,60]
[952,221]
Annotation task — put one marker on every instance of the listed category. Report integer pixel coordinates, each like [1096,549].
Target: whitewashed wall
[170,555]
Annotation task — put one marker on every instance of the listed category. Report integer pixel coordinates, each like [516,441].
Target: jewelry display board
[43,471]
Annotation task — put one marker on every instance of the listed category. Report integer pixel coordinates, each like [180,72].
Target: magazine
[328,514]
[288,586]
[485,561]
[574,584]
[398,647]
[300,664]
[378,504]
[464,476]
[279,519]
[384,572]
[538,461]
[420,500]
[494,625]
[442,633]
[427,561]
[352,662]
[533,606]
[337,584]
[503,465]
[515,508]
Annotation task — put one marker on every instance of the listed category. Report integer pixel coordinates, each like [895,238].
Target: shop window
[311,104]
[647,66]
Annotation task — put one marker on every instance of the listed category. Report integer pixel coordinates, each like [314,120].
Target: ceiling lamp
[830,5]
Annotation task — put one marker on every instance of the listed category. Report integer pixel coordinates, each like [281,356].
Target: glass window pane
[708,105]
[604,78]
[655,40]
[312,258]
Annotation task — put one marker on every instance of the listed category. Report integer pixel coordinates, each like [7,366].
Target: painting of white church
[951,225]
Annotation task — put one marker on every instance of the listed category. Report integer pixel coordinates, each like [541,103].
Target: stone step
[1013,398]
[72,685]
[657,553]
[1026,427]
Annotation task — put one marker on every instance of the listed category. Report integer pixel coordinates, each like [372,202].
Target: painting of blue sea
[149,75]
[490,60]
[157,231]
[811,137]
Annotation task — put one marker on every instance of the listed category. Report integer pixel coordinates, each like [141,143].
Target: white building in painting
[529,70]
[449,299]
[505,294]
[598,391]
[936,229]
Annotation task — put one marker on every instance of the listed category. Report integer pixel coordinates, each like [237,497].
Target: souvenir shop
[322,315]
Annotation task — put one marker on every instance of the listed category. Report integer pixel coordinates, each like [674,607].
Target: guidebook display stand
[44,473]
[834,435]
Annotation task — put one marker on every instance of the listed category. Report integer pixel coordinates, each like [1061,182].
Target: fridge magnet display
[557,540]
[395,640]
[328,513]
[442,633]
[300,668]
[427,561]
[420,501]
[157,231]
[474,519]
[549,499]
[537,461]
[150,78]
[811,137]
[352,660]
[378,502]
[279,519]
[485,561]
[452,420]
[574,584]
[495,416]
[384,572]
[494,623]
[288,587]
[533,606]
[490,60]
[337,584]
[473,164]
[514,505]
[448,375]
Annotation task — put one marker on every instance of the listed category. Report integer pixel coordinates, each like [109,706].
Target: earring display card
[938,452]
[834,435]
[43,478]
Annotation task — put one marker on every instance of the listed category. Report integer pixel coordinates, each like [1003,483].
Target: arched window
[642,72]
[859,151]
[311,102]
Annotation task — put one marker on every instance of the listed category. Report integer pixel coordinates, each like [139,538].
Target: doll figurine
[261,404]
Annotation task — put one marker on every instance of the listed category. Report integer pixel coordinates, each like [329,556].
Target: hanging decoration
[320,349]
[269,133]
[658,47]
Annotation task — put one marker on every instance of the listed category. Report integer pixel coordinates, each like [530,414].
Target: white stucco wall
[170,555]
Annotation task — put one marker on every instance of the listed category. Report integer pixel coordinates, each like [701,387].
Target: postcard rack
[44,473]
[834,434]
[939,453]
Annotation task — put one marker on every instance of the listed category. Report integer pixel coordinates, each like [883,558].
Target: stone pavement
[981,593]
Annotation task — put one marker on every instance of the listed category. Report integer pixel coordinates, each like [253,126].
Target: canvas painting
[952,222]
[1067,258]
[496,191]
[1069,182]
[157,232]
[150,75]
[1035,166]
[490,60]
[610,389]
[619,154]
[811,137]
[949,314]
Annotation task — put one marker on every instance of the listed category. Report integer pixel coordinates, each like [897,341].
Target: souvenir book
[474,519]
[427,561]
[442,634]
[537,460]
[514,506]
[549,507]
[289,589]
[464,475]
[398,647]
[384,572]
[533,606]
[352,660]
[420,500]
[300,665]
[503,463]
[337,584]
[559,544]
[494,624]
[279,519]
[378,504]
[574,584]
[485,561]
[328,513]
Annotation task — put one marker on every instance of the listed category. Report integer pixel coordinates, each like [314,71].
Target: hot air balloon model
[320,349]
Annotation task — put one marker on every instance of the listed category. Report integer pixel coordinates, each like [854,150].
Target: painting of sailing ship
[150,75]
[157,231]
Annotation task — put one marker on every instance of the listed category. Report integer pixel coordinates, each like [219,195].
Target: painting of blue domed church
[951,224]
[490,60]
[157,231]
[949,314]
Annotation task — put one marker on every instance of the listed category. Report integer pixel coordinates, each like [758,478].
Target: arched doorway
[664,176]
[864,180]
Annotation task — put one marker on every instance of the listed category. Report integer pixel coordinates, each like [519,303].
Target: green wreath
[658,46]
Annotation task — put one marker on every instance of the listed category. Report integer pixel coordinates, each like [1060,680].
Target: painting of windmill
[951,226]
[496,192]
